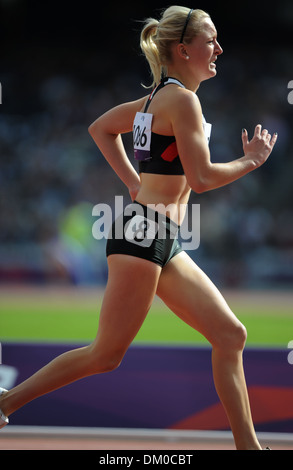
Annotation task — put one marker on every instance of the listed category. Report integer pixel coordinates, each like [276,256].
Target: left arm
[106,132]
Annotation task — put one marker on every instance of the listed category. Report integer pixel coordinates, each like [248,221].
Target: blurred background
[63,64]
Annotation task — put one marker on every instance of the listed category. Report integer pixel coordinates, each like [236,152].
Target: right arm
[203,175]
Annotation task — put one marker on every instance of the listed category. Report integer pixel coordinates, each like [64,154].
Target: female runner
[182,48]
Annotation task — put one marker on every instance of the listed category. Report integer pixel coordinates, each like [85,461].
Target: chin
[213,70]
[211,74]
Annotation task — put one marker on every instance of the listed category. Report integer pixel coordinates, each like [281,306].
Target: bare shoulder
[184,107]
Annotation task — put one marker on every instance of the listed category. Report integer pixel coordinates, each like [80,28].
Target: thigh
[129,293]
[193,297]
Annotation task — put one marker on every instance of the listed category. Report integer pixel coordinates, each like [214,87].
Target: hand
[260,146]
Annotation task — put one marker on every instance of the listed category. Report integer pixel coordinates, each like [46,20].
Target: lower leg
[231,387]
[202,306]
[65,369]
[132,283]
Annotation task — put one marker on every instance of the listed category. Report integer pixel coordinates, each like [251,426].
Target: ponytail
[158,36]
[150,49]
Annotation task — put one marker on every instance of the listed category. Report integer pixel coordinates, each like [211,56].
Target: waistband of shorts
[155,216]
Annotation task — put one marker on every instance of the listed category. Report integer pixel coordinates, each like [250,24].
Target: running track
[34,438]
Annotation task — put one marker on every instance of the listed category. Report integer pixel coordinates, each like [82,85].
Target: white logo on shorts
[141,231]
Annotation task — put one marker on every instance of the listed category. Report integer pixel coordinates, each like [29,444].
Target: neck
[191,83]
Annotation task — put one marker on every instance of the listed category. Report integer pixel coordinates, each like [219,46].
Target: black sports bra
[156,153]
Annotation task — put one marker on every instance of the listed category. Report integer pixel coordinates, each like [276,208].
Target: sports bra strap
[164,82]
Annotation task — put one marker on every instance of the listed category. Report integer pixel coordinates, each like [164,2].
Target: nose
[218,49]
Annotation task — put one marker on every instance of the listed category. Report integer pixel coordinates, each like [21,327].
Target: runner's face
[204,50]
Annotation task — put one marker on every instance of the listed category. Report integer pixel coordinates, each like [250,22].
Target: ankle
[3,418]
[2,400]
[248,444]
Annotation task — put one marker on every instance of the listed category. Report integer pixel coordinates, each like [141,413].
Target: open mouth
[212,63]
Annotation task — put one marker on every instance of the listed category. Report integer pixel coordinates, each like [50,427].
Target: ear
[182,51]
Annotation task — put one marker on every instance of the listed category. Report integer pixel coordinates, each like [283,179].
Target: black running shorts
[142,232]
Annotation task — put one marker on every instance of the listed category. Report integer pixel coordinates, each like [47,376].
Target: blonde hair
[157,36]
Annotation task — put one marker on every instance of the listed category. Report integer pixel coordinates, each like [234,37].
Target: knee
[110,363]
[240,337]
[233,339]
[102,361]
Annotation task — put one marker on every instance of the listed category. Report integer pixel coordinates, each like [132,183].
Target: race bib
[142,133]
[207,128]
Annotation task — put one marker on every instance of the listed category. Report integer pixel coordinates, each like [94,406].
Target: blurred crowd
[52,174]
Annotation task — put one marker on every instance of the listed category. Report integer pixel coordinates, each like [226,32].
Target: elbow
[91,128]
[199,188]
[96,132]
[96,127]
[199,178]
[199,185]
